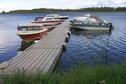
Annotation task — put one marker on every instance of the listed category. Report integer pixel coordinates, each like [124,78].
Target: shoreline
[53,10]
[61,12]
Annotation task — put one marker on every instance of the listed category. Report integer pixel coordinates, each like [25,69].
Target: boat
[31,31]
[91,22]
[50,20]
[57,16]
[47,22]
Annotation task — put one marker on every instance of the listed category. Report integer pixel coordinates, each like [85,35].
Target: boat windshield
[39,18]
[52,15]
[29,28]
[48,19]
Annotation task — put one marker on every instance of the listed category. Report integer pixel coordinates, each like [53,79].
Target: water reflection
[25,44]
[89,34]
[98,41]
[9,44]
[91,47]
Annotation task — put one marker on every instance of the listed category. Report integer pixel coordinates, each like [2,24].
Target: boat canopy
[88,19]
[82,19]
[87,15]
[92,21]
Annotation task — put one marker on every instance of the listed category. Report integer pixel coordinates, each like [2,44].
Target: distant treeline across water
[93,9]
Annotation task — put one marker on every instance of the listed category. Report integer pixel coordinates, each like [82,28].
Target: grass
[113,74]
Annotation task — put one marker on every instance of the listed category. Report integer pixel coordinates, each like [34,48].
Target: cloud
[64,4]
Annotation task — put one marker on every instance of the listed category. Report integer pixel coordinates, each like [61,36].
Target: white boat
[50,23]
[89,22]
[31,31]
[57,16]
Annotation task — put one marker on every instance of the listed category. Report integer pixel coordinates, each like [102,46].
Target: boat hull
[62,19]
[34,36]
[86,28]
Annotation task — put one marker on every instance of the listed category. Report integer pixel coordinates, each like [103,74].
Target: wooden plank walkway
[43,55]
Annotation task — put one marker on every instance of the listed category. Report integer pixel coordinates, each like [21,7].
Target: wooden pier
[43,55]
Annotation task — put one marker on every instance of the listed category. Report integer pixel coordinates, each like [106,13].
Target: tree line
[52,10]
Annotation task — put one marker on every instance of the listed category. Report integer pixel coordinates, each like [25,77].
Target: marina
[43,55]
[91,47]
[63,42]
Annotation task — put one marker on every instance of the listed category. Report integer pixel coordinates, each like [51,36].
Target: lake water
[90,47]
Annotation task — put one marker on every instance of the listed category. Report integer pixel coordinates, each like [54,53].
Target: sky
[8,5]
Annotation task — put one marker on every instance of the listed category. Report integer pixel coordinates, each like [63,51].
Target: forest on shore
[92,9]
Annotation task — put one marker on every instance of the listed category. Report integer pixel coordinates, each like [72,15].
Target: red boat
[57,16]
[51,20]
[32,31]
[47,22]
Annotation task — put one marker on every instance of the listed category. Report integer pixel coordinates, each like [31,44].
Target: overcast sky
[64,4]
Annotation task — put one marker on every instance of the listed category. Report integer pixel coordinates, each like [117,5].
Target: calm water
[89,47]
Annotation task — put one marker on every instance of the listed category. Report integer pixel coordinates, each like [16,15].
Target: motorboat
[57,16]
[91,22]
[47,22]
[31,31]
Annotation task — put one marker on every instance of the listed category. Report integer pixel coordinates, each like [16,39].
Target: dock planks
[43,55]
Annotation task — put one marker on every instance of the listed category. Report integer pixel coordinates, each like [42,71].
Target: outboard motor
[72,21]
[110,26]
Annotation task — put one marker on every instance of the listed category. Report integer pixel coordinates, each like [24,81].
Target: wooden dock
[43,55]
